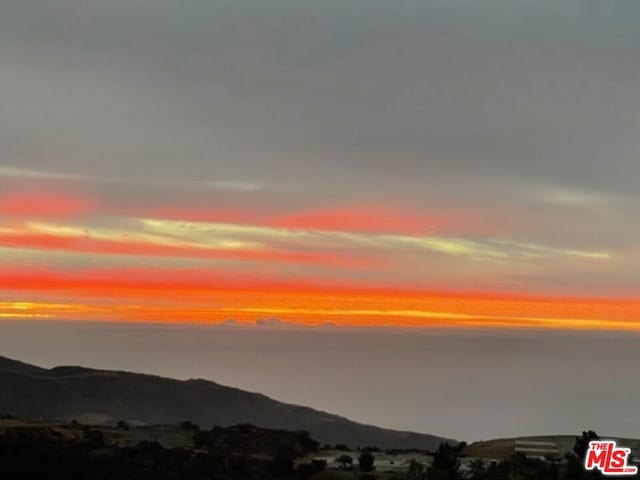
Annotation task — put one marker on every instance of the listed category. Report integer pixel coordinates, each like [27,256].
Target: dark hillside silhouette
[75,393]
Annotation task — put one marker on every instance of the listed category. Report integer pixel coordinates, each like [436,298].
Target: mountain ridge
[68,392]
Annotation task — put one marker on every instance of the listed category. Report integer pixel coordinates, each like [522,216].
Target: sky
[356,163]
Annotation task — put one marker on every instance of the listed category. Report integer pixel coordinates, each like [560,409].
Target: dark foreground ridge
[100,396]
[73,451]
[57,451]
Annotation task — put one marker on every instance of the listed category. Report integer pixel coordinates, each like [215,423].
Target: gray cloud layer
[525,111]
[546,92]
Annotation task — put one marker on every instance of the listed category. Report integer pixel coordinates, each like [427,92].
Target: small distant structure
[537,448]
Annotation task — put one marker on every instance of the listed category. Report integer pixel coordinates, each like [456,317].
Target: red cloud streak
[127,247]
[44,205]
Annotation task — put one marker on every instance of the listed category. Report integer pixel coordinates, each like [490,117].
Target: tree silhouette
[582,443]
[366,461]
[345,460]
[476,469]
[416,471]
[446,463]
[575,463]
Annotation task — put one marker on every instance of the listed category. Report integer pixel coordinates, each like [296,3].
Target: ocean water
[463,384]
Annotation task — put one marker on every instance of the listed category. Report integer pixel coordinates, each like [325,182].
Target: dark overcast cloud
[544,92]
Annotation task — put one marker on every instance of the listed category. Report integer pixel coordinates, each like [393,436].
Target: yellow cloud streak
[455,246]
[132,235]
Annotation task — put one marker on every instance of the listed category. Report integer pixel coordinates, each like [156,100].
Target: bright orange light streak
[184,296]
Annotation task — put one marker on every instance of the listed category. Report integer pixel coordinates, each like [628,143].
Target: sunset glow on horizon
[73,257]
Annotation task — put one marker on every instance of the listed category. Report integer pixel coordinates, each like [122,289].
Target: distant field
[504,447]
[385,462]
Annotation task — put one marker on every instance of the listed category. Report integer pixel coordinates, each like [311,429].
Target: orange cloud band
[187,296]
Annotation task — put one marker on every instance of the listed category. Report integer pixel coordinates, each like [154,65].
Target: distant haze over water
[468,385]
